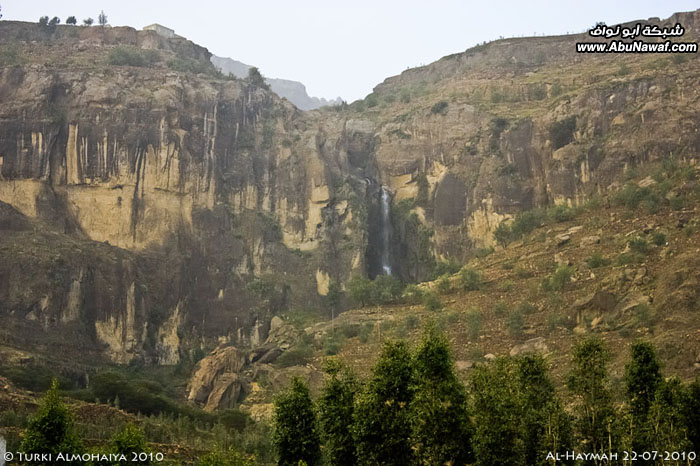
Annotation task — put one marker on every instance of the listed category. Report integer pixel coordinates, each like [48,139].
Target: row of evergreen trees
[414,410]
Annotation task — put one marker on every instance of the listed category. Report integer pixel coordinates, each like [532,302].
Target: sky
[346,48]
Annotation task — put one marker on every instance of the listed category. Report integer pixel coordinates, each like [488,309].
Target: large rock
[226,392]
[210,371]
[533,345]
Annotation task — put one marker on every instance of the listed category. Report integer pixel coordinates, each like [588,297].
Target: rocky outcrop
[215,382]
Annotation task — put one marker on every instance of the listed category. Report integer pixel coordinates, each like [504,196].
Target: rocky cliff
[160,207]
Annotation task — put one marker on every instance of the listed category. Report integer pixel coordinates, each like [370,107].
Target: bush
[638,245]
[386,289]
[412,294]
[500,308]
[632,196]
[597,260]
[522,272]
[431,302]
[445,268]
[130,56]
[473,320]
[444,285]
[514,322]
[558,280]
[297,355]
[483,252]
[469,279]
[561,132]
[526,308]
[440,108]
[658,238]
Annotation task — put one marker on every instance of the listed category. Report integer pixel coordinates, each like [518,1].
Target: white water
[386,231]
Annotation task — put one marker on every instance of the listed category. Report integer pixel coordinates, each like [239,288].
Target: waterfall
[386,232]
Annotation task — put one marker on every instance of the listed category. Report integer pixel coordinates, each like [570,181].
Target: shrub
[443,284]
[412,294]
[440,108]
[558,280]
[365,331]
[522,272]
[483,252]
[386,289]
[131,56]
[469,279]
[297,355]
[431,302]
[445,267]
[638,245]
[526,308]
[507,285]
[71,20]
[360,290]
[561,132]
[371,101]
[658,238]
[514,322]
[473,320]
[597,260]
[500,308]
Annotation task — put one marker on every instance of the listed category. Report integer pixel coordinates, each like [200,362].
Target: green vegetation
[295,434]
[561,132]
[440,108]
[431,301]
[256,79]
[51,429]
[474,320]
[132,56]
[558,280]
[470,279]
[525,222]
[597,260]
[335,409]
[443,284]
[382,290]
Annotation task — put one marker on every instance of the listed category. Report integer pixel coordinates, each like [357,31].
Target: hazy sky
[346,48]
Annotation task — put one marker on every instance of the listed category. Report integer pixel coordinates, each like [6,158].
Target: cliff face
[219,182]
[158,208]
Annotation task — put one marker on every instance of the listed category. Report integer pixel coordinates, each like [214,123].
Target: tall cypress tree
[381,426]
[51,429]
[691,414]
[595,413]
[546,426]
[642,377]
[497,409]
[442,430]
[335,407]
[295,431]
[666,420]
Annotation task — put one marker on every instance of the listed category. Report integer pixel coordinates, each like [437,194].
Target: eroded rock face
[215,382]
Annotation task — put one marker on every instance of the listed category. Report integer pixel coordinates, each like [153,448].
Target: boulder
[562,239]
[533,345]
[590,240]
[464,365]
[225,392]
[646,182]
[633,300]
[602,299]
[222,360]
[276,323]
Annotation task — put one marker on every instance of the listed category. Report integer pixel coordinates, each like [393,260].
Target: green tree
[55,21]
[503,234]
[335,409]
[381,427]
[691,414]
[44,21]
[441,427]
[588,382]
[51,429]
[666,419]
[88,22]
[128,441]
[228,457]
[546,426]
[71,20]
[255,78]
[102,18]
[360,290]
[642,377]
[497,414]
[295,431]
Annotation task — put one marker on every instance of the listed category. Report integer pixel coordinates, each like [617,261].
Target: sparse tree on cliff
[102,19]
[44,21]
[295,430]
[51,429]
[55,21]
[256,79]
[71,20]
[88,22]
